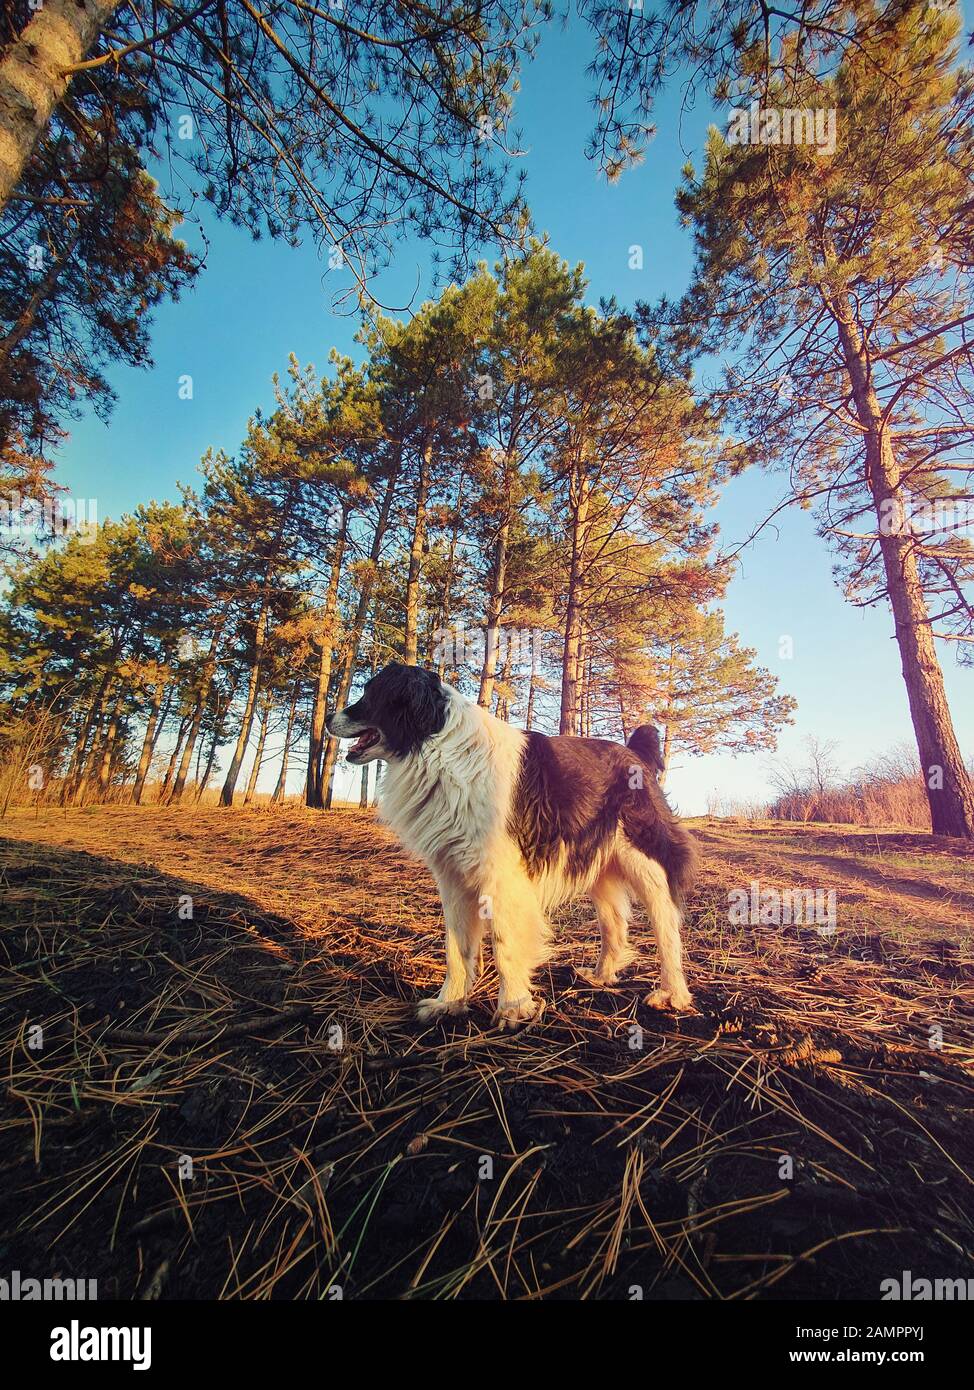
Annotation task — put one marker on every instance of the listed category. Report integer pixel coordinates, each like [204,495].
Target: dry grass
[609,1147]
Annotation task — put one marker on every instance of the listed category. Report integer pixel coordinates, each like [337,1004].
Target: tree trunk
[411,633]
[584,718]
[313,789]
[260,635]
[532,686]
[573,609]
[496,603]
[149,742]
[99,759]
[358,627]
[665,753]
[316,737]
[363,799]
[948,785]
[199,763]
[187,753]
[78,758]
[199,708]
[173,758]
[265,716]
[34,77]
[163,717]
[107,748]
[504,701]
[119,740]
[282,775]
[243,738]
[446,600]
[218,726]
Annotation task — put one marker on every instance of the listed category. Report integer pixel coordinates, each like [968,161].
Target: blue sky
[257,302]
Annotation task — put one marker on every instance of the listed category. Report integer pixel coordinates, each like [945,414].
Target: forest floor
[213,1085]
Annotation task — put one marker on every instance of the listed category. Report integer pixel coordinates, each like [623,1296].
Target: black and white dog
[513,824]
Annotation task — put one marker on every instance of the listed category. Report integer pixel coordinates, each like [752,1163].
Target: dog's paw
[518,1013]
[429,1010]
[669,1000]
[598,980]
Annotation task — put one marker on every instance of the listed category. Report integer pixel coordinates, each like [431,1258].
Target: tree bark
[199,707]
[285,756]
[149,742]
[411,633]
[585,687]
[98,763]
[495,604]
[948,785]
[446,600]
[357,628]
[265,716]
[108,748]
[260,636]
[247,723]
[78,758]
[532,686]
[665,751]
[218,726]
[313,793]
[33,77]
[173,759]
[119,740]
[573,609]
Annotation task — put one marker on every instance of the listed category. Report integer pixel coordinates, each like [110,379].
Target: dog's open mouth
[364,742]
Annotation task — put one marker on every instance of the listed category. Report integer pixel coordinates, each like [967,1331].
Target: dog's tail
[673,846]
[680,861]
[645,742]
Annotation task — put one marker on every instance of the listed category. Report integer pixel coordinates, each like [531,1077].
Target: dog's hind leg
[465,923]
[612,904]
[648,881]
[521,937]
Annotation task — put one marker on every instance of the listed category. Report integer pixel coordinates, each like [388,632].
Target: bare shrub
[29,755]
[736,808]
[888,790]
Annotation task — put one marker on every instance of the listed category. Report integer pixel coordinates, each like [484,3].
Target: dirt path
[917,882]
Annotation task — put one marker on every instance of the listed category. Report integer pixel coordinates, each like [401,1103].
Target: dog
[512,825]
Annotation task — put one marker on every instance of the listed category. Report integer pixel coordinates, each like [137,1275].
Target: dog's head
[400,708]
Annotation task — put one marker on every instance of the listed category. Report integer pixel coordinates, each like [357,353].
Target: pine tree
[836,272]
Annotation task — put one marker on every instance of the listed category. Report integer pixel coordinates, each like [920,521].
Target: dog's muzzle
[366,737]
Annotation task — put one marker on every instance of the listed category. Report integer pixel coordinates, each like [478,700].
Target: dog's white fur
[449,804]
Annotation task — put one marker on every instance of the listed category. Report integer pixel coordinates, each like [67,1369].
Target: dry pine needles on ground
[228,1097]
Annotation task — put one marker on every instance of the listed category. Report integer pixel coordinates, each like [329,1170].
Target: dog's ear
[416,709]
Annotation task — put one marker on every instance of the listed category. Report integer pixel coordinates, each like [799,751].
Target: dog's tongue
[364,740]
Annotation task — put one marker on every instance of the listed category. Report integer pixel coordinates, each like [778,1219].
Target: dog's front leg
[464,932]
[521,938]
